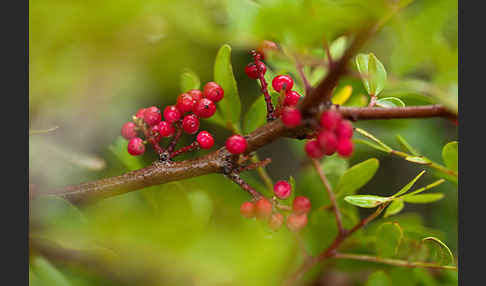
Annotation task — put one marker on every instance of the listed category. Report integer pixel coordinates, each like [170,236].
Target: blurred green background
[93,64]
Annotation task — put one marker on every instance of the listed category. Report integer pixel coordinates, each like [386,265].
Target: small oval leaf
[342,95]
[409,185]
[255,116]
[378,278]
[357,176]
[373,73]
[446,256]
[418,159]
[189,80]
[366,201]
[449,155]
[394,208]
[424,198]
[389,236]
[388,102]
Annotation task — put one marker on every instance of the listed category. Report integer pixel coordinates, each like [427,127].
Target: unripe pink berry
[140,113]
[166,129]
[171,114]
[291,98]
[282,81]
[296,222]
[328,141]
[136,146]
[190,124]
[282,189]
[204,108]
[196,94]
[291,117]
[185,102]
[345,147]
[213,91]
[152,115]
[128,130]
[252,70]
[313,149]
[344,130]
[236,144]
[276,221]
[330,119]
[247,209]
[301,205]
[263,208]
[205,140]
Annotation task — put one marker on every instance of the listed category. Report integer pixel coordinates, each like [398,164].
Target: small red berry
[196,94]
[185,102]
[282,189]
[247,209]
[155,131]
[344,130]
[282,81]
[190,124]
[236,144]
[205,140]
[135,146]
[204,108]
[330,119]
[252,70]
[276,221]
[213,91]
[291,117]
[328,142]
[313,149]
[301,205]
[171,114]
[140,113]
[152,115]
[263,208]
[291,98]
[128,130]
[296,222]
[166,129]
[345,147]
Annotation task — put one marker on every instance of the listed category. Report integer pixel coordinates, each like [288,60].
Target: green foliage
[373,74]
[189,80]
[388,102]
[357,176]
[389,236]
[256,116]
[378,278]
[444,254]
[449,155]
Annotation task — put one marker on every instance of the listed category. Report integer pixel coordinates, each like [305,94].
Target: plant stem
[394,262]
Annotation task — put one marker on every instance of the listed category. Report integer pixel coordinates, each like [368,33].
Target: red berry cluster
[183,116]
[263,209]
[334,136]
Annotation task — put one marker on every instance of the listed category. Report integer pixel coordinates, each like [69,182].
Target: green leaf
[429,186]
[370,136]
[445,254]
[409,185]
[378,278]
[389,236]
[119,149]
[373,73]
[342,95]
[418,159]
[406,146]
[189,80]
[230,105]
[47,273]
[424,198]
[388,102]
[357,176]
[395,207]
[337,47]
[256,116]
[366,201]
[370,144]
[449,155]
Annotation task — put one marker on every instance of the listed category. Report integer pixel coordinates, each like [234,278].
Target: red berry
[282,81]
[282,189]
[291,117]
[185,102]
[136,147]
[263,208]
[166,129]
[252,70]
[247,209]
[291,98]
[190,124]
[330,119]
[204,108]
[313,149]
[301,205]
[128,130]
[155,131]
[296,222]
[345,147]
[276,221]
[205,140]
[328,142]
[140,113]
[213,91]
[171,114]
[344,130]
[236,144]
[196,94]
[152,115]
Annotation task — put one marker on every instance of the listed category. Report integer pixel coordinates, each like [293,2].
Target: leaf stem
[394,262]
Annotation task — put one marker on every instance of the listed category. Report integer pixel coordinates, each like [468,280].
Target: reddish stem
[263,82]
[193,146]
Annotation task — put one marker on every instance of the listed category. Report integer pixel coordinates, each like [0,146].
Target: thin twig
[394,262]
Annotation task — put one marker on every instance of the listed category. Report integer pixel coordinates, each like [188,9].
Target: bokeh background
[93,64]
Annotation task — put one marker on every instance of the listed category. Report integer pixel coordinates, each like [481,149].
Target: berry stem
[264,86]
[300,70]
[255,165]
[149,137]
[175,139]
[193,146]
[235,177]
[372,100]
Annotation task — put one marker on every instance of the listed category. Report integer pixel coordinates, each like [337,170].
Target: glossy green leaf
[189,80]
[366,201]
[338,47]
[409,185]
[373,73]
[445,254]
[429,186]
[389,236]
[230,105]
[450,155]
[406,146]
[418,159]
[388,102]
[357,176]
[256,116]
[394,208]
[424,198]
[370,144]
[370,136]
[378,278]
